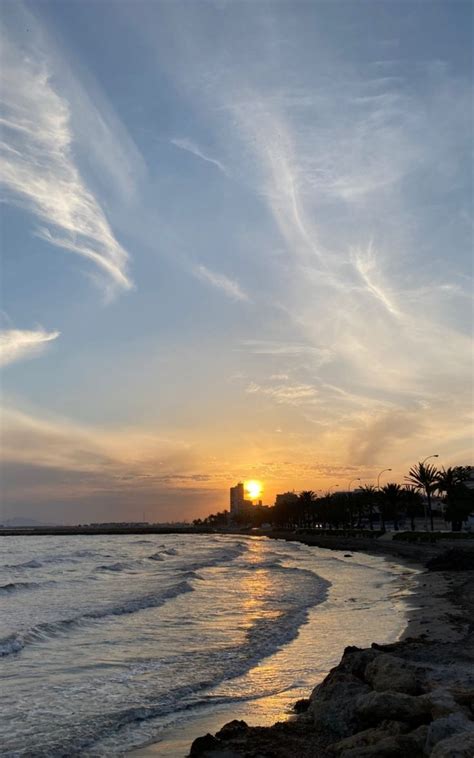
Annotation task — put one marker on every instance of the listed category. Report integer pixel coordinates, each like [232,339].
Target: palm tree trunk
[430,511]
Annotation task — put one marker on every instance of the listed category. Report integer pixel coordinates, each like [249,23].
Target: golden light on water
[254,489]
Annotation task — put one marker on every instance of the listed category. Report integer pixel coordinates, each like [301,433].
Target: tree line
[368,506]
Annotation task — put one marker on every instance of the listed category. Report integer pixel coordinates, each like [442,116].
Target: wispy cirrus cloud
[16,344]
[191,147]
[292,394]
[293,348]
[229,287]
[39,171]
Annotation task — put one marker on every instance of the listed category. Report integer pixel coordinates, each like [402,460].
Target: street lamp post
[435,455]
[333,486]
[428,457]
[356,479]
[380,474]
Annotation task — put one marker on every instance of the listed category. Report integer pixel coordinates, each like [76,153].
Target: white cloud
[292,394]
[278,347]
[365,264]
[191,147]
[230,287]
[16,344]
[39,170]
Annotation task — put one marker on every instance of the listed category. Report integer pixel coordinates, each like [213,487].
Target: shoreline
[265,708]
[412,697]
[424,604]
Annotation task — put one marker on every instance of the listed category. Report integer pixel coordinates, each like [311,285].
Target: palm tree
[391,498]
[413,503]
[306,502]
[457,496]
[424,476]
[450,477]
[367,496]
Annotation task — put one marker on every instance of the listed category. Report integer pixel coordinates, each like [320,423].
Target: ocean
[109,643]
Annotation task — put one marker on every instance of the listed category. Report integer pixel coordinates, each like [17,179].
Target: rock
[203,745]
[464,696]
[418,737]
[377,706]
[385,748]
[442,703]
[333,702]
[394,746]
[355,660]
[459,746]
[445,727]
[386,672]
[301,706]
[232,729]
[370,736]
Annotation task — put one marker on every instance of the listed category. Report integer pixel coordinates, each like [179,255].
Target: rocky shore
[411,699]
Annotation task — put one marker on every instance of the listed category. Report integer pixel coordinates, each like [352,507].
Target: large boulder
[374,707]
[203,745]
[355,660]
[459,746]
[396,746]
[369,737]
[333,702]
[445,727]
[464,695]
[387,672]
[232,729]
[442,703]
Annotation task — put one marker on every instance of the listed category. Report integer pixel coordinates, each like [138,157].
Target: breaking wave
[44,631]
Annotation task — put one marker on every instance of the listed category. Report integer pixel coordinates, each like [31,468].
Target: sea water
[109,642]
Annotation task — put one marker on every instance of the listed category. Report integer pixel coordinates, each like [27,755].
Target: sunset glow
[242,246]
[254,489]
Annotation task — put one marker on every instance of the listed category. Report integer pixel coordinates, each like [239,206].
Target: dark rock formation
[203,745]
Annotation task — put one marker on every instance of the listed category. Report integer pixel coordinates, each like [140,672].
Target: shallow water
[106,642]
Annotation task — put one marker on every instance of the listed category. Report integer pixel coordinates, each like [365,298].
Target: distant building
[237,501]
[286,498]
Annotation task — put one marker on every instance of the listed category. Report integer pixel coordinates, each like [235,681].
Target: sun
[253,489]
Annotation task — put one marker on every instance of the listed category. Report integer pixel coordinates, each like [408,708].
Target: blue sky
[236,243]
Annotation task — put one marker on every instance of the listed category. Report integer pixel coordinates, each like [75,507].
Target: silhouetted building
[286,498]
[237,500]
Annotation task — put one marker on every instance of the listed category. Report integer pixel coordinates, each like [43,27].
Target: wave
[110,732]
[119,566]
[217,557]
[27,565]
[84,554]
[48,629]
[189,574]
[34,563]
[161,554]
[11,587]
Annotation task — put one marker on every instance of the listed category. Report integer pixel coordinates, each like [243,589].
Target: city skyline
[237,246]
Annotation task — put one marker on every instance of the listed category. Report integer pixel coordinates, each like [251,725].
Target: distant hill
[20,521]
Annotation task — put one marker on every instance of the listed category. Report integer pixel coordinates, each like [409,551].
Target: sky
[236,244]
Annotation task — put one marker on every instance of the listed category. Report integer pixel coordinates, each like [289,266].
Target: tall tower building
[236,499]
